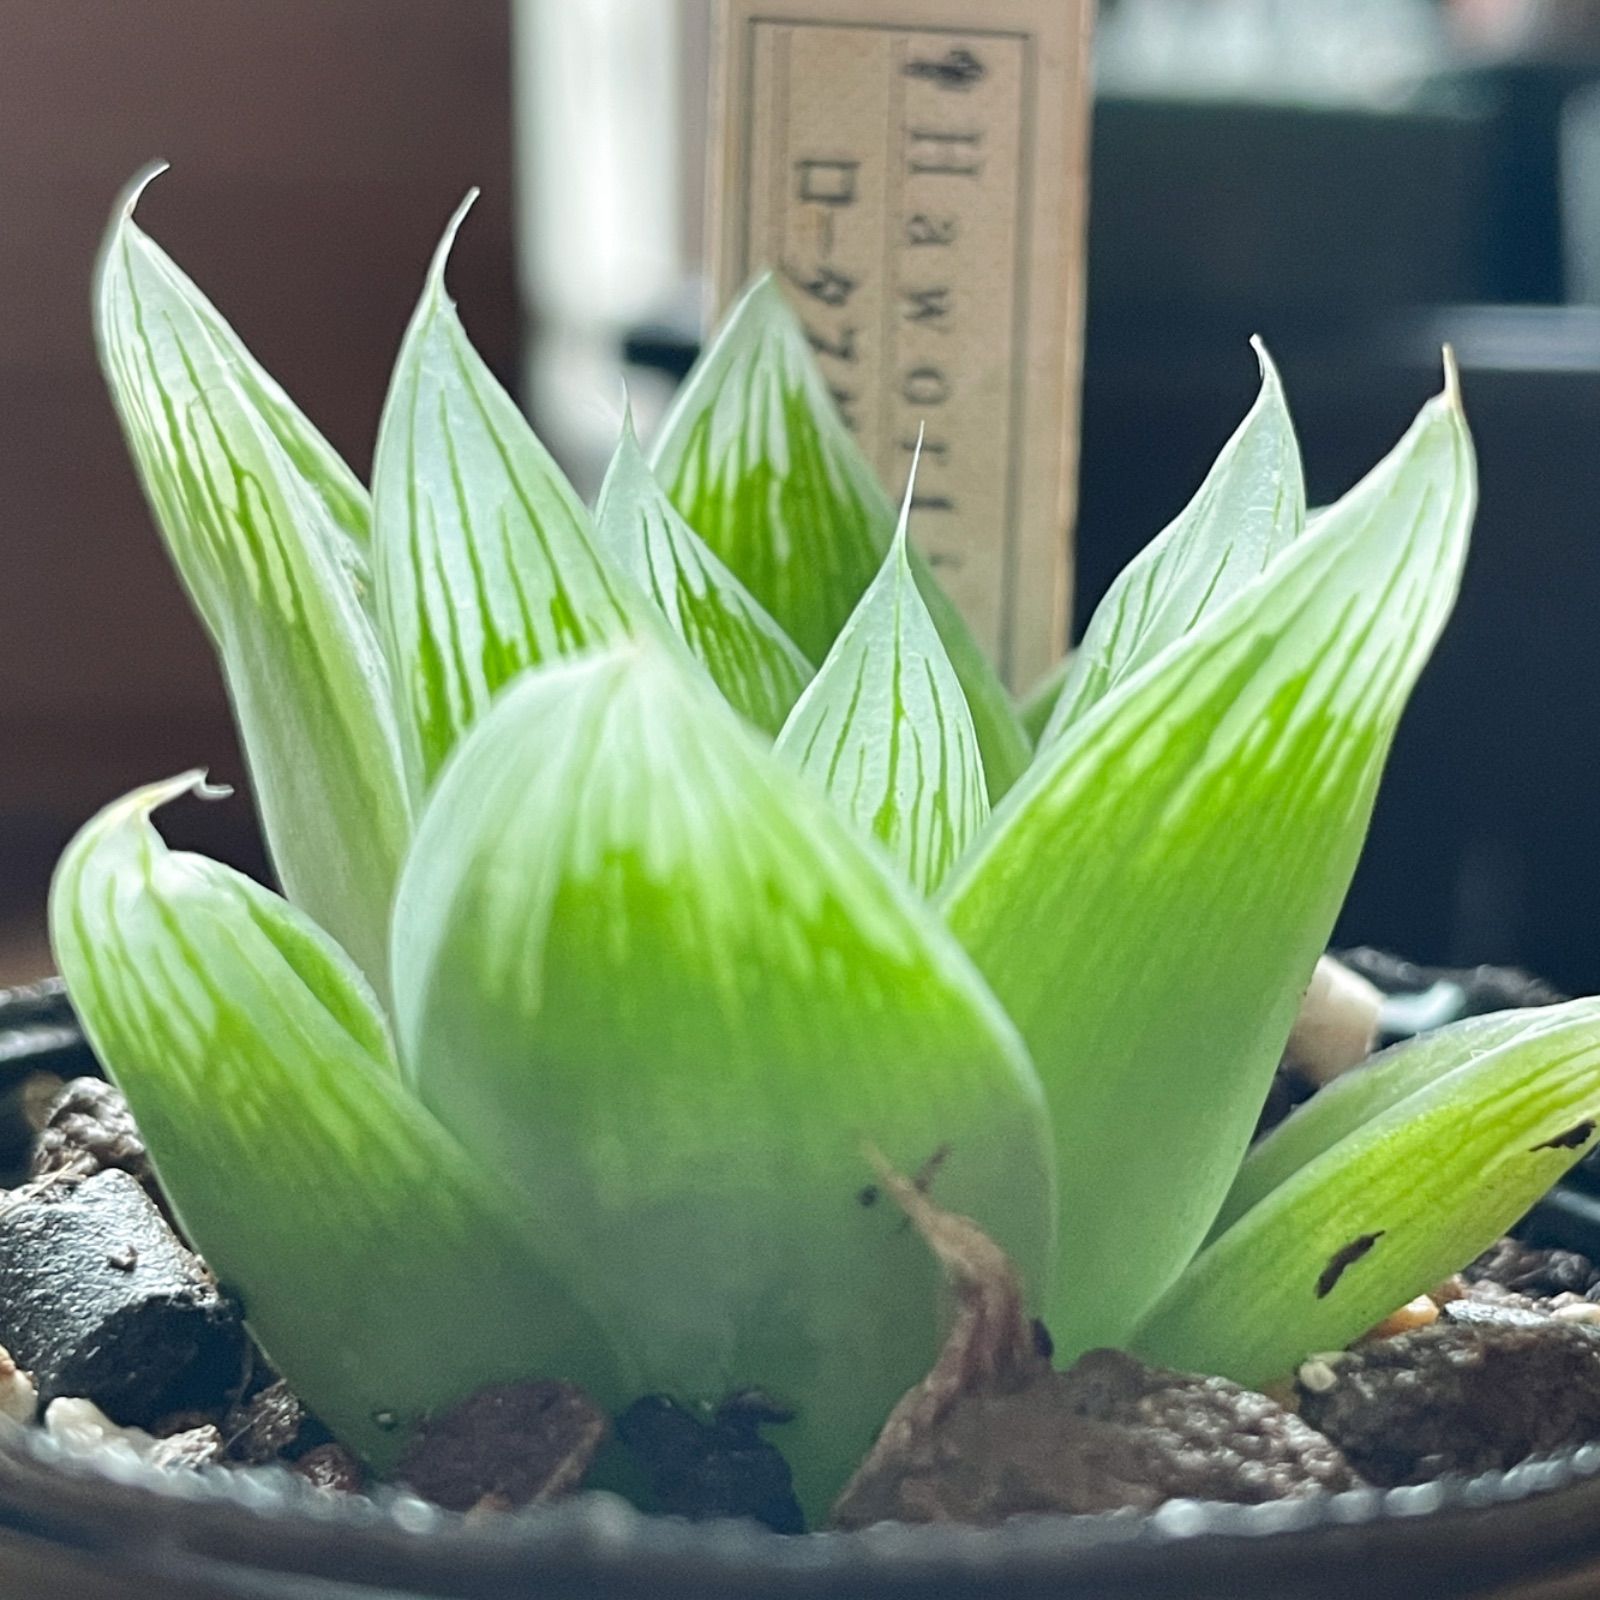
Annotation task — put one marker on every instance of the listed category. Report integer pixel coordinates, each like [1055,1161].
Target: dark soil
[716,1468]
[506,1447]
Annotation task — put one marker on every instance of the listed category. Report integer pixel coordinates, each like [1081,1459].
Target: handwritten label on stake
[914,170]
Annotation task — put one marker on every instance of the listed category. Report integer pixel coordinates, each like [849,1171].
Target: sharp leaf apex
[1271,379]
[1452,378]
[134,190]
[447,240]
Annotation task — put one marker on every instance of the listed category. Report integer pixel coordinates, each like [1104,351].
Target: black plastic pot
[102,1529]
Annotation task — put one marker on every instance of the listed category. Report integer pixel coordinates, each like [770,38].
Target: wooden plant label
[914,171]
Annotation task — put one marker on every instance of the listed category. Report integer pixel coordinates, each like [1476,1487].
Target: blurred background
[1356,180]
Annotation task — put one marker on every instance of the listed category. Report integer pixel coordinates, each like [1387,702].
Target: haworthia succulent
[645,972]
[750,658]
[1250,508]
[266,529]
[485,557]
[759,463]
[382,1269]
[885,732]
[1152,898]
[1387,1209]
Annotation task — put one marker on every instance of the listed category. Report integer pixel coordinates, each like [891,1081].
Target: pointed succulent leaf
[1250,508]
[885,732]
[648,974]
[485,557]
[1383,1211]
[749,657]
[266,529]
[1036,706]
[1357,1097]
[382,1269]
[325,474]
[1150,902]
[758,461]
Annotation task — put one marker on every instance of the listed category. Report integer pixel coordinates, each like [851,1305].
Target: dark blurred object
[1246,213]
[1418,999]
[316,151]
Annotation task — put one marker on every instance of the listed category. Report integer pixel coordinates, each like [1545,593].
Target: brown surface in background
[317,149]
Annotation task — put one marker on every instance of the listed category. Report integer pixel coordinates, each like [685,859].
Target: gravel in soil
[1534,1272]
[1461,1396]
[88,1128]
[99,1300]
[331,1467]
[271,1424]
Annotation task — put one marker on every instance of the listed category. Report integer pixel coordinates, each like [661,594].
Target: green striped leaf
[322,470]
[485,557]
[1151,900]
[759,463]
[1357,1097]
[1250,508]
[645,971]
[266,530]
[380,1267]
[1384,1206]
[884,729]
[749,657]
[1037,705]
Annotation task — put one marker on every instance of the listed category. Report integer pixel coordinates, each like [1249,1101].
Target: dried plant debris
[271,1424]
[994,1431]
[88,1128]
[99,1300]
[716,1468]
[506,1446]
[332,1467]
[1463,1396]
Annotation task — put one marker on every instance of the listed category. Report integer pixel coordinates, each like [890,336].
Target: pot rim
[269,1519]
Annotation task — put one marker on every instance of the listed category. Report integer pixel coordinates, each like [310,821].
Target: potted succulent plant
[690,971]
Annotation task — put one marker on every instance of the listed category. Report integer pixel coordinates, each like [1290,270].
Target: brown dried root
[994,1431]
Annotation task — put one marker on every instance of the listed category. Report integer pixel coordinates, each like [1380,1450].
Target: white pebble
[19,1400]
[82,1425]
[1577,1311]
[1318,1376]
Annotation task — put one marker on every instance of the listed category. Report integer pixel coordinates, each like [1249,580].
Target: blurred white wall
[610,134]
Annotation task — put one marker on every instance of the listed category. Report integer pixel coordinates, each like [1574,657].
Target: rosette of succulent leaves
[645,868]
